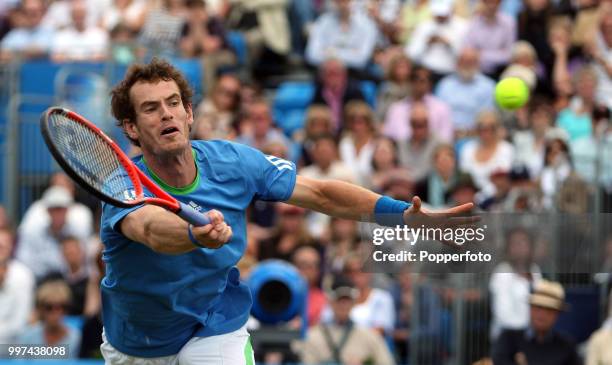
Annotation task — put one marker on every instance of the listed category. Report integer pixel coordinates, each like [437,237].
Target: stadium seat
[238,44]
[75,322]
[192,69]
[369,90]
[290,104]
[293,98]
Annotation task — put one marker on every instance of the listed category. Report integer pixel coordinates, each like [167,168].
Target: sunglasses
[48,307]
[418,123]
[229,92]
[360,117]
[487,128]
[306,265]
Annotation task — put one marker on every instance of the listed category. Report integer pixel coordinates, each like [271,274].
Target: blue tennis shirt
[154,303]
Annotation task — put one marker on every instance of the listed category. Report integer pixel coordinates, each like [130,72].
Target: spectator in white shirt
[130,13]
[16,291]
[79,42]
[374,307]
[31,40]
[79,217]
[57,17]
[349,37]
[511,283]
[357,145]
[39,246]
[435,42]
[481,157]
[599,48]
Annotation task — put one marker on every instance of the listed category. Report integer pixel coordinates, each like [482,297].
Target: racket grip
[192,216]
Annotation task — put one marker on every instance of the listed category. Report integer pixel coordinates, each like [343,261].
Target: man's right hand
[215,234]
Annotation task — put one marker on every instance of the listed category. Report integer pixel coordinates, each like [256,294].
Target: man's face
[586,86]
[162,121]
[467,64]
[58,217]
[52,312]
[419,122]
[421,84]
[324,152]
[262,120]
[71,249]
[342,308]
[33,12]
[343,6]
[226,93]
[79,15]
[307,262]
[490,7]
[543,319]
[519,247]
[445,162]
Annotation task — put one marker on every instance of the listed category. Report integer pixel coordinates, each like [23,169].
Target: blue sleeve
[112,215]
[271,178]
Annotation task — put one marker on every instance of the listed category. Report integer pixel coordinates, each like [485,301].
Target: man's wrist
[389,211]
[192,237]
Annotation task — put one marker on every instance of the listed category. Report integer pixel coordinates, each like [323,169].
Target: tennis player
[171,294]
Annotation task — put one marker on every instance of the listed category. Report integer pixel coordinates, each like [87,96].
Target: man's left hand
[417,216]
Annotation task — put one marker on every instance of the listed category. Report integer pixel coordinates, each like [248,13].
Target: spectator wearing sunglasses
[440,117]
[417,152]
[488,153]
[52,302]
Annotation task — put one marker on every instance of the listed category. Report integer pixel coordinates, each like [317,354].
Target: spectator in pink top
[308,261]
[396,123]
[493,34]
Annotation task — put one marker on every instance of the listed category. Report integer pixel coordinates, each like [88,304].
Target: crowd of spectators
[432,130]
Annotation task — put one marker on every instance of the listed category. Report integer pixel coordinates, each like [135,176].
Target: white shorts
[232,348]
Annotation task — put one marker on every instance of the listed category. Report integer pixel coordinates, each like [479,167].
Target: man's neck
[175,170]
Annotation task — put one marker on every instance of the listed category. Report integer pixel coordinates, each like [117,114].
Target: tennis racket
[97,163]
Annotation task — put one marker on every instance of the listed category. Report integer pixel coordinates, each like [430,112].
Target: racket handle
[192,216]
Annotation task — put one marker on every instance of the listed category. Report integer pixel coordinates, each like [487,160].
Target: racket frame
[136,176]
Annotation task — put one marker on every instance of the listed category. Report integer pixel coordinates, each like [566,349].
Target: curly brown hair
[153,72]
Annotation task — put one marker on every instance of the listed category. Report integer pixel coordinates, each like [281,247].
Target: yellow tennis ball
[511,93]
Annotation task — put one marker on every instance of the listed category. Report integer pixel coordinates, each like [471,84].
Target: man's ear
[189,110]
[130,128]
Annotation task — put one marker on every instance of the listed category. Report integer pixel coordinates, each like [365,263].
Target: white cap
[556,133]
[57,197]
[441,7]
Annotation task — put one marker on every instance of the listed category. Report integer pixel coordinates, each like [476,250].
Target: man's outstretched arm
[344,200]
[334,197]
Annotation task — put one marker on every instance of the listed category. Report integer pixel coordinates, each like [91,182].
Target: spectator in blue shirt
[467,91]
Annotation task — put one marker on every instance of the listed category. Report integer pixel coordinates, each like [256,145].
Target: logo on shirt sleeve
[279,163]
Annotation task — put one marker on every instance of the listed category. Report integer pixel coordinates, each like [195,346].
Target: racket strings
[91,157]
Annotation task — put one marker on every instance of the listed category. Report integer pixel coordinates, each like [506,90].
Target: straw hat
[548,294]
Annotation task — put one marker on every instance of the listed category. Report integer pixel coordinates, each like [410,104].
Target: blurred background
[393,95]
